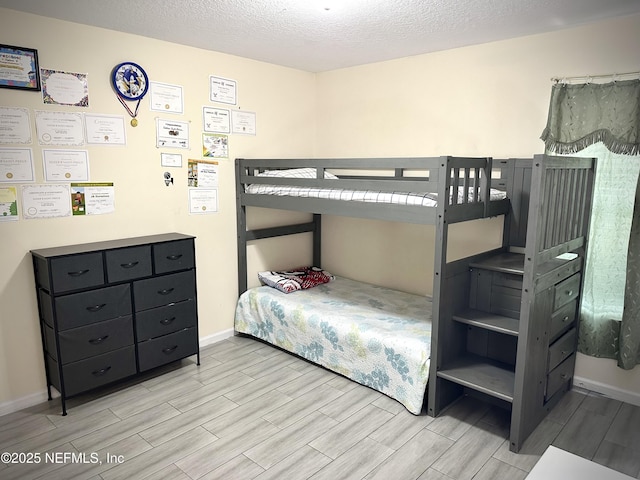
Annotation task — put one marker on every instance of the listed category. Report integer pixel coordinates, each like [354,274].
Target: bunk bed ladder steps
[487,365]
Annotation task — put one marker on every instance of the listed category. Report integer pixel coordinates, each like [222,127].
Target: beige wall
[482,100]
[282,98]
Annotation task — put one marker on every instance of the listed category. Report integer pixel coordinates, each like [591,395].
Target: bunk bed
[500,325]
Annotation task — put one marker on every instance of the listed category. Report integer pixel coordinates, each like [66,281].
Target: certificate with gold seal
[105,129]
[66,165]
[16,165]
[166,98]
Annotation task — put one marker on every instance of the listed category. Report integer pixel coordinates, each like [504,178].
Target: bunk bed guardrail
[466,184]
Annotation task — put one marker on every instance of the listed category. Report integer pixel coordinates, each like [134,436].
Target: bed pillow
[297,279]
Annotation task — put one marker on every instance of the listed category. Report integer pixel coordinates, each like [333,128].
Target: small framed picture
[19,68]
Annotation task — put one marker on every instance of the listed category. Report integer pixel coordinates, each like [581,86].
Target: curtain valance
[581,115]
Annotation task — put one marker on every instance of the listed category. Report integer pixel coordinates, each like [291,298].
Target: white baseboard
[216,337]
[608,391]
[41,397]
[25,402]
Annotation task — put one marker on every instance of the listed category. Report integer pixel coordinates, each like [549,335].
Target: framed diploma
[19,68]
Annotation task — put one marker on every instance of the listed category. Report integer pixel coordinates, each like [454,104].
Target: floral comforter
[378,337]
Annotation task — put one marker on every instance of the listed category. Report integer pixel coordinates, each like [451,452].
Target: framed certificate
[19,68]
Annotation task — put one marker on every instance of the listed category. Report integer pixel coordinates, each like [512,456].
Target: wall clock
[131,83]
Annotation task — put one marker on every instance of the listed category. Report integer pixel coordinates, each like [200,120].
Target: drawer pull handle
[564,376]
[166,291]
[167,321]
[96,308]
[129,265]
[174,257]
[78,273]
[565,319]
[569,293]
[98,341]
[169,350]
[102,371]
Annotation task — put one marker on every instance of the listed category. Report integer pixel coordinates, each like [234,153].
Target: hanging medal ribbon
[130,82]
[133,114]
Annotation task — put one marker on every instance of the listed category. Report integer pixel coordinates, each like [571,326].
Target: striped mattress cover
[425,199]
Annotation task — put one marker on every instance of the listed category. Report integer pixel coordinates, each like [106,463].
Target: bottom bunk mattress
[375,336]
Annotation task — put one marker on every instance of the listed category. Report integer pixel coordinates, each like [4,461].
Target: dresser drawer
[99,370]
[128,263]
[567,290]
[559,376]
[164,320]
[81,309]
[173,256]
[562,319]
[562,348]
[175,346]
[95,339]
[163,290]
[76,272]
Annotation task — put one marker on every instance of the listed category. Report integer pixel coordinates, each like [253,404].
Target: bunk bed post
[435,396]
[485,184]
[241,223]
[551,295]
[317,240]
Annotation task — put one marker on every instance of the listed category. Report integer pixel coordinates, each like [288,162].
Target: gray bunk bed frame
[504,322]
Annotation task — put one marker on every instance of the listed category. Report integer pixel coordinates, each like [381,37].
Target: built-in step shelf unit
[509,333]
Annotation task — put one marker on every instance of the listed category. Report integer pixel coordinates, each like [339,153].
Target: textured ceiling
[320,35]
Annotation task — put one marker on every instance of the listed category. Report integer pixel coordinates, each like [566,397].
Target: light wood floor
[253,412]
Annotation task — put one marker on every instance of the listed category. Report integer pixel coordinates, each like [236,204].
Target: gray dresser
[110,310]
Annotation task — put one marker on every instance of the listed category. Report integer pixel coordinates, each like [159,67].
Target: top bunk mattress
[424,199]
[375,336]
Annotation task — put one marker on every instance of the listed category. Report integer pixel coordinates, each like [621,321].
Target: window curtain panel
[603,121]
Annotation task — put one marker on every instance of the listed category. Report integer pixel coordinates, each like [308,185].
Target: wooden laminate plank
[497,470]
[349,432]
[361,459]
[583,433]
[413,458]
[400,429]
[303,405]
[161,456]
[467,456]
[200,461]
[113,433]
[457,419]
[302,463]
[279,445]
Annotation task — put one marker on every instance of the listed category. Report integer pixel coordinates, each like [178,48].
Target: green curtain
[603,121]
[581,115]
